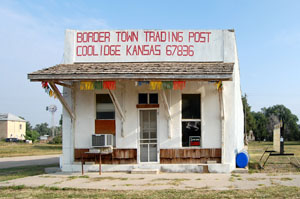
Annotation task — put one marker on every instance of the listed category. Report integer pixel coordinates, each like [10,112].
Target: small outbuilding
[12,126]
[161,99]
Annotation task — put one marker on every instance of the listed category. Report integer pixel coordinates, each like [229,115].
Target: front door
[148,136]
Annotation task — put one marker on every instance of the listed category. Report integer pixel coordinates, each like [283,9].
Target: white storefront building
[170,98]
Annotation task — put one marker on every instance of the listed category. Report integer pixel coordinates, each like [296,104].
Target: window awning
[135,71]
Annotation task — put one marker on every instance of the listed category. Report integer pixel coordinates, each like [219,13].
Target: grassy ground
[275,163]
[53,192]
[255,150]
[8,149]
[21,172]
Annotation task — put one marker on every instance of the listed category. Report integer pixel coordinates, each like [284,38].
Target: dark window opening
[148,98]
[153,98]
[143,98]
[191,106]
[105,109]
[191,120]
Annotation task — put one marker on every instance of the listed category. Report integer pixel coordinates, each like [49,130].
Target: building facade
[171,99]
[12,126]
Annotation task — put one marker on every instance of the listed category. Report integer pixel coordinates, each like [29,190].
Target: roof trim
[135,71]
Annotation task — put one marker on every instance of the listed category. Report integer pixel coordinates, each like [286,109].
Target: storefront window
[191,120]
[105,109]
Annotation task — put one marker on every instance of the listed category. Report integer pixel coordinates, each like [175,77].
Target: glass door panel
[148,136]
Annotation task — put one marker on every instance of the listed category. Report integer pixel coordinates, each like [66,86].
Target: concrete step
[144,171]
[240,170]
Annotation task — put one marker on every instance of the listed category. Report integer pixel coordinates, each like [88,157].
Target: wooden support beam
[119,109]
[63,84]
[168,112]
[165,101]
[117,104]
[61,99]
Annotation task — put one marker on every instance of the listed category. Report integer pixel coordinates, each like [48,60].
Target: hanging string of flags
[153,85]
[219,85]
[97,85]
[111,85]
[48,90]
[158,85]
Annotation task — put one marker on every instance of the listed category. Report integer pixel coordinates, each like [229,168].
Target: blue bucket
[242,159]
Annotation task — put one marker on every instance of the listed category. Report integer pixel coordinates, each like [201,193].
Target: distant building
[44,138]
[12,126]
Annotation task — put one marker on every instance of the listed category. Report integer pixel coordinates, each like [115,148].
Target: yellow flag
[155,85]
[50,93]
[86,86]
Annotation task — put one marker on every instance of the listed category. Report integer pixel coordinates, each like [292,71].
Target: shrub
[32,135]
[56,140]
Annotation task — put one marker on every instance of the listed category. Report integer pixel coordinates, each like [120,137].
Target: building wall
[3,129]
[78,134]
[127,95]
[12,129]
[234,117]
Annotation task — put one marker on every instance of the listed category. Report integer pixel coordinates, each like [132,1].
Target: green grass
[107,178]
[55,192]
[275,163]
[8,149]
[75,177]
[21,172]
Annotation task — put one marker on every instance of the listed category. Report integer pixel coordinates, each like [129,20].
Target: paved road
[28,161]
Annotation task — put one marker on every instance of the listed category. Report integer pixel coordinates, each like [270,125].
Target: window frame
[191,120]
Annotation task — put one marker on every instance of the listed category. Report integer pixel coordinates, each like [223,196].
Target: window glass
[143,98]
[105,108]
[153,98]
[148,98]
[191,106]
[191,130]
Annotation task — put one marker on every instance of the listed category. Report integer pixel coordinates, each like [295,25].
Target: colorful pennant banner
[158,85]
[110,85]
[97,85]
[155,85]
[48,90]
[219,85]
[178,85]
[167,85]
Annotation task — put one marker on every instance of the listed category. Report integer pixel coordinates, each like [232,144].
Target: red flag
[178,85]
[111,85]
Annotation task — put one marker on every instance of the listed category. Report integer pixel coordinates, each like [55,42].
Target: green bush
[32,135]
[56,140]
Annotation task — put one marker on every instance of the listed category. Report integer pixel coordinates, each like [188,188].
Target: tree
[43,129]
[249,119]
[281,113]
[61,120]
[28,126]
[260,131]
[32,135]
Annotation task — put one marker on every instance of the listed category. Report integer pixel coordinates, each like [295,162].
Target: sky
[32,38]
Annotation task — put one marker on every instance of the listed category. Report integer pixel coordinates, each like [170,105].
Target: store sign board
[148,46]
